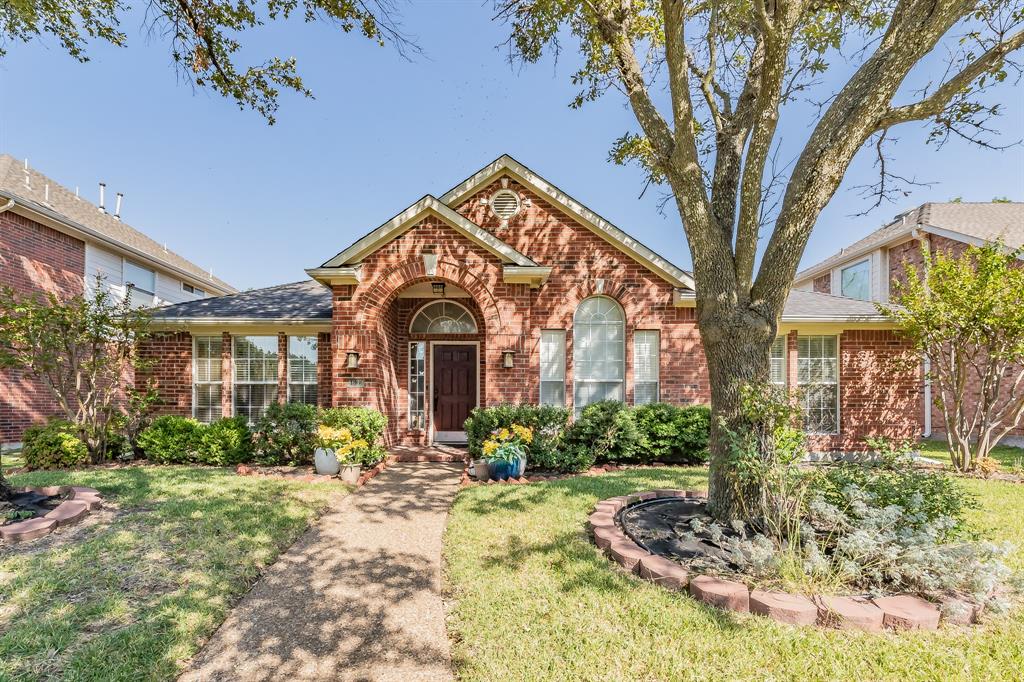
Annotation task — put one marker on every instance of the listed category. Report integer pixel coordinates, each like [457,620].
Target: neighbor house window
[443,317]
[818,376]
[855,281]
[302,369]
[778,361]
[417,385]
[552,367]
[646,347]
[143,285]
[206,378]
[599,352]
[188,288]
[255,361]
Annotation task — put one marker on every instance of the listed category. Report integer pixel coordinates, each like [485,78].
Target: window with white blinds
[778,361]
[646,365]
[302,383]
[598,352]
[206,378]
[255,361]
[552,367]
[818,375]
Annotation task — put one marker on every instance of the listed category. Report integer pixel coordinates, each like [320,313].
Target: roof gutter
[55,217]
[221,321]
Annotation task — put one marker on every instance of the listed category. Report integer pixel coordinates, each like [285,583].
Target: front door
[454,388]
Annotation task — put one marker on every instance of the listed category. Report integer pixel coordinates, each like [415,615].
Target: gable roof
[303,301]
[28,189]
[811,306]
[971,222]
[409,217]
[505,164]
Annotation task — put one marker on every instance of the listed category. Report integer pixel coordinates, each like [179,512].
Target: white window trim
[575,375]
[657,361]
[288,366]
[408,386]
[540,368]
[234,370]
[839,393]
[195,374]
[419,311]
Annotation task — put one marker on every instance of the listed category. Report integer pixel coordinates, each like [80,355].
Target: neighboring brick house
[51,240]
[867,269]
[505,289]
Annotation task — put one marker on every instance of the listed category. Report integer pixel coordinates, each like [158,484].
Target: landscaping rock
[849,613]
[68,512]
[907,612]
[27,530]
[725,594]
[664,572]
[793,609]
[627,554]
[957,611]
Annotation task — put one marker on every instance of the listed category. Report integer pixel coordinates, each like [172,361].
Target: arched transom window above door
[443,317]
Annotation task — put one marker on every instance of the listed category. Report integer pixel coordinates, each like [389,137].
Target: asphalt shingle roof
[306,300]
[982,220]
[811,305]
[77,210]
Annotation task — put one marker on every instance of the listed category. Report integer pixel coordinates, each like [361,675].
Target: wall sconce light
[437,288]
[352,360]
[508,358]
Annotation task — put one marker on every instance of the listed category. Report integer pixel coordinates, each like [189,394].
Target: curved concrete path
[358,597]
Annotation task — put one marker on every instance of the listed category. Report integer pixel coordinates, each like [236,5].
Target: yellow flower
[489,447]
[525,433]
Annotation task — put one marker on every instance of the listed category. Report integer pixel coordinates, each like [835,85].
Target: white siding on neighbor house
[110,266]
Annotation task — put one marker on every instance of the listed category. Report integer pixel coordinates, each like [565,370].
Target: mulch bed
[307,474]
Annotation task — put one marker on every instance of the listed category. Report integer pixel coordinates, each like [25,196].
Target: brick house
[867,269]
[53,241]
[506,289]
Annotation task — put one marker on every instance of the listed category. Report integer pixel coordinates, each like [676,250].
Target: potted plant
[324,458]
[505,451]
[346,452]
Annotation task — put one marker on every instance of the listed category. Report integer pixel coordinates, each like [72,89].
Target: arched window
[598,352]
[443,317]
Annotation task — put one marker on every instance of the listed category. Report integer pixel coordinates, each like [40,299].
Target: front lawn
[1010,458]
[535,600]
[10,460]
[137,595]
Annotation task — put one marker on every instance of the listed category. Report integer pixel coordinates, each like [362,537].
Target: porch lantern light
[508,358]
[437,288]
[352,360]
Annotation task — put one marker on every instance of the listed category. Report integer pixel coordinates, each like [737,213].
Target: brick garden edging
[290,474]
[896,612]
[80,502]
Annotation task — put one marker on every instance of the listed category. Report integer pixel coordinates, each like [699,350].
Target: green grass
[10,461]
[536,601]
[1006,455]
[134,598]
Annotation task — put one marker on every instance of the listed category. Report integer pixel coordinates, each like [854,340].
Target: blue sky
[259,204]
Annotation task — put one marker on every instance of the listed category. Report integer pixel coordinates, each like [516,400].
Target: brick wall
[168,358]
[33,259]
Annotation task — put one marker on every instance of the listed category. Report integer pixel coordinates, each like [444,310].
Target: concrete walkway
[358,597]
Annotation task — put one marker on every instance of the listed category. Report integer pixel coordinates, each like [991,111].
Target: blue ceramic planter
[501,471]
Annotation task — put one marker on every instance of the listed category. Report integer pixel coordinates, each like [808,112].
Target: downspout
[923,237]
[8,206]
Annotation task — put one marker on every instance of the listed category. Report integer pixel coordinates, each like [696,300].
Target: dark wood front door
[454,386]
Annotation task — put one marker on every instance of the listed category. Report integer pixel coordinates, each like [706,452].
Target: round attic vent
[505,203]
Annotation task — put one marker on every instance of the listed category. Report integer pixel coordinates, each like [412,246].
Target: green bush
[171,440]
[286,434]
[670,433]
[225,442]
[547,421]
[608,428]
[365,423]
[53,445]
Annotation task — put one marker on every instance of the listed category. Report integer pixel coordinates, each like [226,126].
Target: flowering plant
[507,444]
[348,450]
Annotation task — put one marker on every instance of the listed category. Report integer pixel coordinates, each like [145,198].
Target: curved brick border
[897,612]
[80,502]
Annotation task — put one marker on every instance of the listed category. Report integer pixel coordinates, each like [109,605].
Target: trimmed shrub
[670,433]
[225,442]
[548,423]
[286,434]
[171,440]
[608,428]
[53,445]
[365,423]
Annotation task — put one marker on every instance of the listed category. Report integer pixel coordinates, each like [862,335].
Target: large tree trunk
[737,347]
[6,491]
